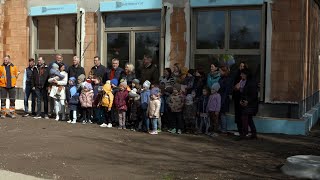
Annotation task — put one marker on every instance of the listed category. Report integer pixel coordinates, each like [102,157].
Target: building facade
[278,39]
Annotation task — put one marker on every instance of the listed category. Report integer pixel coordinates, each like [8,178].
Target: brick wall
[286,55]
[15,34]
[177,30]
[90,40]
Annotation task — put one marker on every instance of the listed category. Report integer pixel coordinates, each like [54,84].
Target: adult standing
[167,79]
[28,88]
[249,103]
[75,70]
[8,78]
[214,75]
[176,73]
[149,71]
[236,96]
[41,75]
[60,96]
[128,74]
[98,69]
[225,90]
[114,72]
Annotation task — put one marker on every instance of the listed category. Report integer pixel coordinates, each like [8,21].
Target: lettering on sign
[121,4]
[45,9]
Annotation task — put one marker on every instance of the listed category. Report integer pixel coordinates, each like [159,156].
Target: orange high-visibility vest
[3,75]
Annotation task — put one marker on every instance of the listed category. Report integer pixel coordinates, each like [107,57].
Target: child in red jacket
[121,100]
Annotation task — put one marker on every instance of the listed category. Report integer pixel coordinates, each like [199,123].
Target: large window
[226,34]
[56,34]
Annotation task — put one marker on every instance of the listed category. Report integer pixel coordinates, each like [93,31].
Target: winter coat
[188,81]
[150,73]
[28,78]
[121,100]
[86,99]
[41,75]
[73,101]
[225,90]
[250,94]
[167,81]
[117,74]
[213,78]
[198,85]
[154,108]
[107,96]
[60,84]
[99,71]
[134,104]
[145,97]
[214,103]
[75,71]
[202,104]
[176,102]
[128,77]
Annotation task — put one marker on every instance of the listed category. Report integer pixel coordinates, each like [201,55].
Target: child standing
[106,105]
[189,113]
[121,104]
[73,100]
[202,111]
[176,103]
[145,98]
[154,110]
[214,105]
[86,99]
[134,104]
[98,112]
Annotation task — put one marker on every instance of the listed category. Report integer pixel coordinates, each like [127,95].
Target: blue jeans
[27,93]
[223,123]
[42,94]
[154,123]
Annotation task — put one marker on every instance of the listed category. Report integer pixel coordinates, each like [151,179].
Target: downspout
[82,35]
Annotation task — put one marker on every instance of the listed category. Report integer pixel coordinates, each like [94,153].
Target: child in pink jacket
[120,101]
[86,100]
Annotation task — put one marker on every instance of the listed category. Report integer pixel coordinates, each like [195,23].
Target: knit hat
[73,79]
[136,81]
[133,93]
[147,84]
[216,87]
[82,77]
[88,86]
[155,91]
[114,82]
[189,99]
[123,85]
[55,66]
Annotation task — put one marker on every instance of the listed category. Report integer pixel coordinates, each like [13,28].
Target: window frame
[227,49]
[34,49]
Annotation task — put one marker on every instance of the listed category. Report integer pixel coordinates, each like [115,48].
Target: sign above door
[130,5]
[53,10]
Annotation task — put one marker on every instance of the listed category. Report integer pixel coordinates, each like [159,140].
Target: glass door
[146,43]
[118,46]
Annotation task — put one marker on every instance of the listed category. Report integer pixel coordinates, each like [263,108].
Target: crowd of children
[180,102]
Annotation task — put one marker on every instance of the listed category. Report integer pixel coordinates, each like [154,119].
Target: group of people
[182,100]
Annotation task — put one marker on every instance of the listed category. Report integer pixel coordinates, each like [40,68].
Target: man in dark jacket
[28,87]
[41,75]
[75,70]
[114,72]
[149,71]
[98,69]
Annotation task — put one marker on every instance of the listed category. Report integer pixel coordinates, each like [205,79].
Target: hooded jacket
[107,97]
[121,100]
[86,99]
[154,108]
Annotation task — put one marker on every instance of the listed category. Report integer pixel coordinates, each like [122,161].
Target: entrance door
[131,46]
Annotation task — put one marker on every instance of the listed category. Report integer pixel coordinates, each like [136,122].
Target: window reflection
[245,29]
[210,29]
[133,19]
